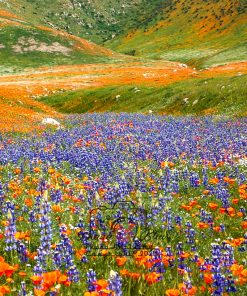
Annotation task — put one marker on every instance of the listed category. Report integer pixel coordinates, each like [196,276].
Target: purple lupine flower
[22,251]
[23,290]
[63,255]
[115,283]
[10,229]
[91,279]
[44,248]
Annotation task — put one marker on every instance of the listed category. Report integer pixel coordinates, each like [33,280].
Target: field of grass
[222,95]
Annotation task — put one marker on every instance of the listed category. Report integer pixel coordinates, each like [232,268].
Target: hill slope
[198,32]
[96,20]
[24,45]
[201,33]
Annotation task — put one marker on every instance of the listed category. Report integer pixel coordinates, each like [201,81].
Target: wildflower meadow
[121,204]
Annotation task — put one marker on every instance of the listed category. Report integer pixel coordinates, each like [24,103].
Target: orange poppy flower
[163,164]
[28,202]
[172,292]
[208,278]
[231,211]
[241,280]
[104,252]
[63,279]
[244,224]
[36,170]
[124,272]
[222,210]
[185,255]
[79,253]
[101,284]
[134,275]
[242,191]
[50,278]
[38,292]
[193,203]
[51,171]
[17,171]
[121,261]
[22,273]
[214,181]
[236,269]
[36,279]
[22,235]
[229,180]
[94,293]
[236,242]
[4,290]
[202,225]
[6,269]
[186,208]
[213,206]
[152,277]
[56,208]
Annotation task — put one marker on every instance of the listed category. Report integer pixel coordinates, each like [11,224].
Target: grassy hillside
[221,95]
[24,45]
[97,20]
[200,33]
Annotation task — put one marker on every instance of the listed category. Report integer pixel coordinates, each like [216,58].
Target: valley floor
[19,92]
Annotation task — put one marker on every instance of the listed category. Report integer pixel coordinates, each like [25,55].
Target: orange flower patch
[212,206]
[172,292]
[202,225]
[214,181]
[208,278]
[6,269]
[101,284]
[79,253]
[152,277]
[22,235]
[121,261]
[4,290]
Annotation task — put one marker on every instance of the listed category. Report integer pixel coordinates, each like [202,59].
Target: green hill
[97,20]
[201,33]
[24,45]
[221,95]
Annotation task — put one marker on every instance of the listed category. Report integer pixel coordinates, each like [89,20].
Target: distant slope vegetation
[201,33]
[95,20]
[24,45]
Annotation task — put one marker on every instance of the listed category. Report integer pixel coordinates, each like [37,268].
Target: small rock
[51,121]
